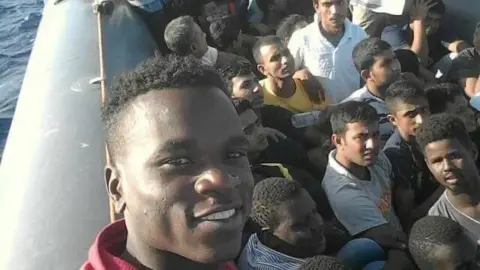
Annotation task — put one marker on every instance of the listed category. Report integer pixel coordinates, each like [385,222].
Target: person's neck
[356,170]
[145,257]
[375,90]
[327,31]
[282,87]
[406,137]
[469,198]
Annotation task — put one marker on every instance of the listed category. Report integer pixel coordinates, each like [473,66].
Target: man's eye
[235,155]
[179,162]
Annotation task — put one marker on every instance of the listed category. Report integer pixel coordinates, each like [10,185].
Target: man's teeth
[220,215]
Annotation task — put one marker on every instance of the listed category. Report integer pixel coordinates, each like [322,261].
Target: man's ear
[365,74]
[336,139]
[392,119]
[115,188]
[261,69]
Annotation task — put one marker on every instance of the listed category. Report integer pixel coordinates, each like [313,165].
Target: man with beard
[450,156]
[379,68]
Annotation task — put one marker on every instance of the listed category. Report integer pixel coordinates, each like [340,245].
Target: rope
[103,89]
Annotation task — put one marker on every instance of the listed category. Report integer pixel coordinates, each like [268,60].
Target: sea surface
[19,20]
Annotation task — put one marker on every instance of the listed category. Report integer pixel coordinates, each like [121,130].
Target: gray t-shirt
[443,207]
[361,205]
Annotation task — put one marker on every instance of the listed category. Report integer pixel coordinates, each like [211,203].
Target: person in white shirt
[324,48]
[379,68]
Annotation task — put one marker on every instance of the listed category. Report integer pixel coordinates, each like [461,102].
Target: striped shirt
[257,256]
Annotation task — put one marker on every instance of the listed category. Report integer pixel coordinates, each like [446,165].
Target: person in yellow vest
[279,87]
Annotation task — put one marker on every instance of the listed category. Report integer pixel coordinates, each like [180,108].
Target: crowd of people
[209,171]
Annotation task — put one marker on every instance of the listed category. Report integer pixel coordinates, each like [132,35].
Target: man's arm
[471,85]
[458,46]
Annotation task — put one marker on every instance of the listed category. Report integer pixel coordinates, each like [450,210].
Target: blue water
[19,20]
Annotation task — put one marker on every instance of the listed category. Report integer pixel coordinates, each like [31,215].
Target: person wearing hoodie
[177,172]
[291,230]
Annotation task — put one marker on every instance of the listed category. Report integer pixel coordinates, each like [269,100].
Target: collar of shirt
[347,34]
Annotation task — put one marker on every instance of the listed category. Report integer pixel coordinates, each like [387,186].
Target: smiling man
[179,173]
[450,157]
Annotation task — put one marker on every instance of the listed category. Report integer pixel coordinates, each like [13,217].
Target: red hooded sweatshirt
[110,244]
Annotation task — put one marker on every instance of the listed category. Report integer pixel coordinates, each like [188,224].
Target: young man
[357,181]
[178,173]
[450,156]
[289,25]
[440,243]
[423,34]
[292,230]
[279,87]
[325,48]
[414,190]
[184,37]
[465,70]
[379,68]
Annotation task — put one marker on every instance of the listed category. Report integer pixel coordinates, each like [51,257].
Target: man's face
[386,70]
[409,115]
[452,164]
[247,87]
[301,226]
[459,106]
[332,14]
[461,255]
[360,143]
[253,129]
[432,23]
[184,181]
[277,61]
[200,46]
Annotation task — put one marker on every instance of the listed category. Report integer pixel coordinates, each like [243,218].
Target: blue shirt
[149,6]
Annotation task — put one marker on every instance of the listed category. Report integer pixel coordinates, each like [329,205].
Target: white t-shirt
[332,66]
[358,204]
[210,57]
[394,7]
[386,127]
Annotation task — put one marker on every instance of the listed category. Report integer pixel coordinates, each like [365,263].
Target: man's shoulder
[396,144]
[357,32]
[439,208]
[358,95]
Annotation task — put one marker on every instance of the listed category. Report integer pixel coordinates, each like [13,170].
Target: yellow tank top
[298,103]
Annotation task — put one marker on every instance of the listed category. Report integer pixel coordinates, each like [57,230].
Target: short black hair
[240,67]
[366,50]
[224,31]
[268,195]
[180,34]
[323,262]
[439,95]
[438,8]
[154,74]
[429,233]
[264,41]
[402,91]
[408,61]
[289,24]
[241,105]
[442,126]
[351,112]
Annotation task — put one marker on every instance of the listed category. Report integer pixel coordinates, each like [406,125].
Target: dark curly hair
[290,24]
[442,126]
[351,112]
[240,67]
[224,31]
[402,91]
[268,195]
[429,233]
[323,262]
[154,74]
[439,95]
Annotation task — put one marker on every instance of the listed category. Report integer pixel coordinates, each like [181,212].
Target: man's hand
[420,10]
[302,74]
[274,134]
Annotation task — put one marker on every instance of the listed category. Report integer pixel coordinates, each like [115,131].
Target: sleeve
[355,210]
[295,45]
[395,36]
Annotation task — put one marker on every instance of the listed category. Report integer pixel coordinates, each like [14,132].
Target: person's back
[177,172]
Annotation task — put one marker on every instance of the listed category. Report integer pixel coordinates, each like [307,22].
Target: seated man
[423,34]
[440,243]
[184,37]
[292,230]
[325,48]
[289,25]
[414,190]
[379,68]
[178,173]
[465,69]
[357,181]
[279,87]
[449,154]
[322,262]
